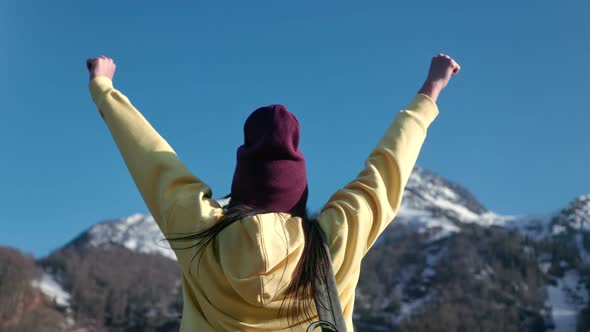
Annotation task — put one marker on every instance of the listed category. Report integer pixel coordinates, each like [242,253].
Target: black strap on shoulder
[327,301]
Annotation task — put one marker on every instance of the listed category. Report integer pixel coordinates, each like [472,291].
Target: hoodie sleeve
[356,215]
[163,180]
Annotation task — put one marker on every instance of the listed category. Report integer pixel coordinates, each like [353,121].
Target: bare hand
[101,66]
[442,68]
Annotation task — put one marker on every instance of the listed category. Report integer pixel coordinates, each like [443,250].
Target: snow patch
[579,219]
[566,299]
[433,257]
[558,229]
[424,222]
[52,289]
[463,213]
[448,193]
[137,232]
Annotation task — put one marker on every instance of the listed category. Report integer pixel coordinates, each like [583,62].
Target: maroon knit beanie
[270,173]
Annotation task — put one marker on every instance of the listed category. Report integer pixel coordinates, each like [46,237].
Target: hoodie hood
[258,255]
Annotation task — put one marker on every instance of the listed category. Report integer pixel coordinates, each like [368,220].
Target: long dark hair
[314,261]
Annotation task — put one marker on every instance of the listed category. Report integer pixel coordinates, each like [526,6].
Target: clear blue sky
[513,127]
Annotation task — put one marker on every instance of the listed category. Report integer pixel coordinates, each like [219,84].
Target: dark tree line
[22,307]
[119,289]
[485,279]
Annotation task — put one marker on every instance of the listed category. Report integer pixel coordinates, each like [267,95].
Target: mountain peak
[425,186]
[575,216]
[136,232]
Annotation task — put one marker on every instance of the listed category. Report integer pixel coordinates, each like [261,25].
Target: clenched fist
[101,66]
[442,68]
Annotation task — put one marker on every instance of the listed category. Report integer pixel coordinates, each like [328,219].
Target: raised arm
[356,215]
[162,179]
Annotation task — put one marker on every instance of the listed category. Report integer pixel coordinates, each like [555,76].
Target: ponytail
[314,263]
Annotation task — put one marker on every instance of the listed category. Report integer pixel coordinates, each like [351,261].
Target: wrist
[432,89]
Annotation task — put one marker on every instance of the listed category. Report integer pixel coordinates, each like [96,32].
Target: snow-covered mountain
[137,232]
[441,235]
[438,206]
[436,210]
[430,202]
[573,222]
[568,292]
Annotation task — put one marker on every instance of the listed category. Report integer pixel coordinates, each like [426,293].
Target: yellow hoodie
[241,279]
